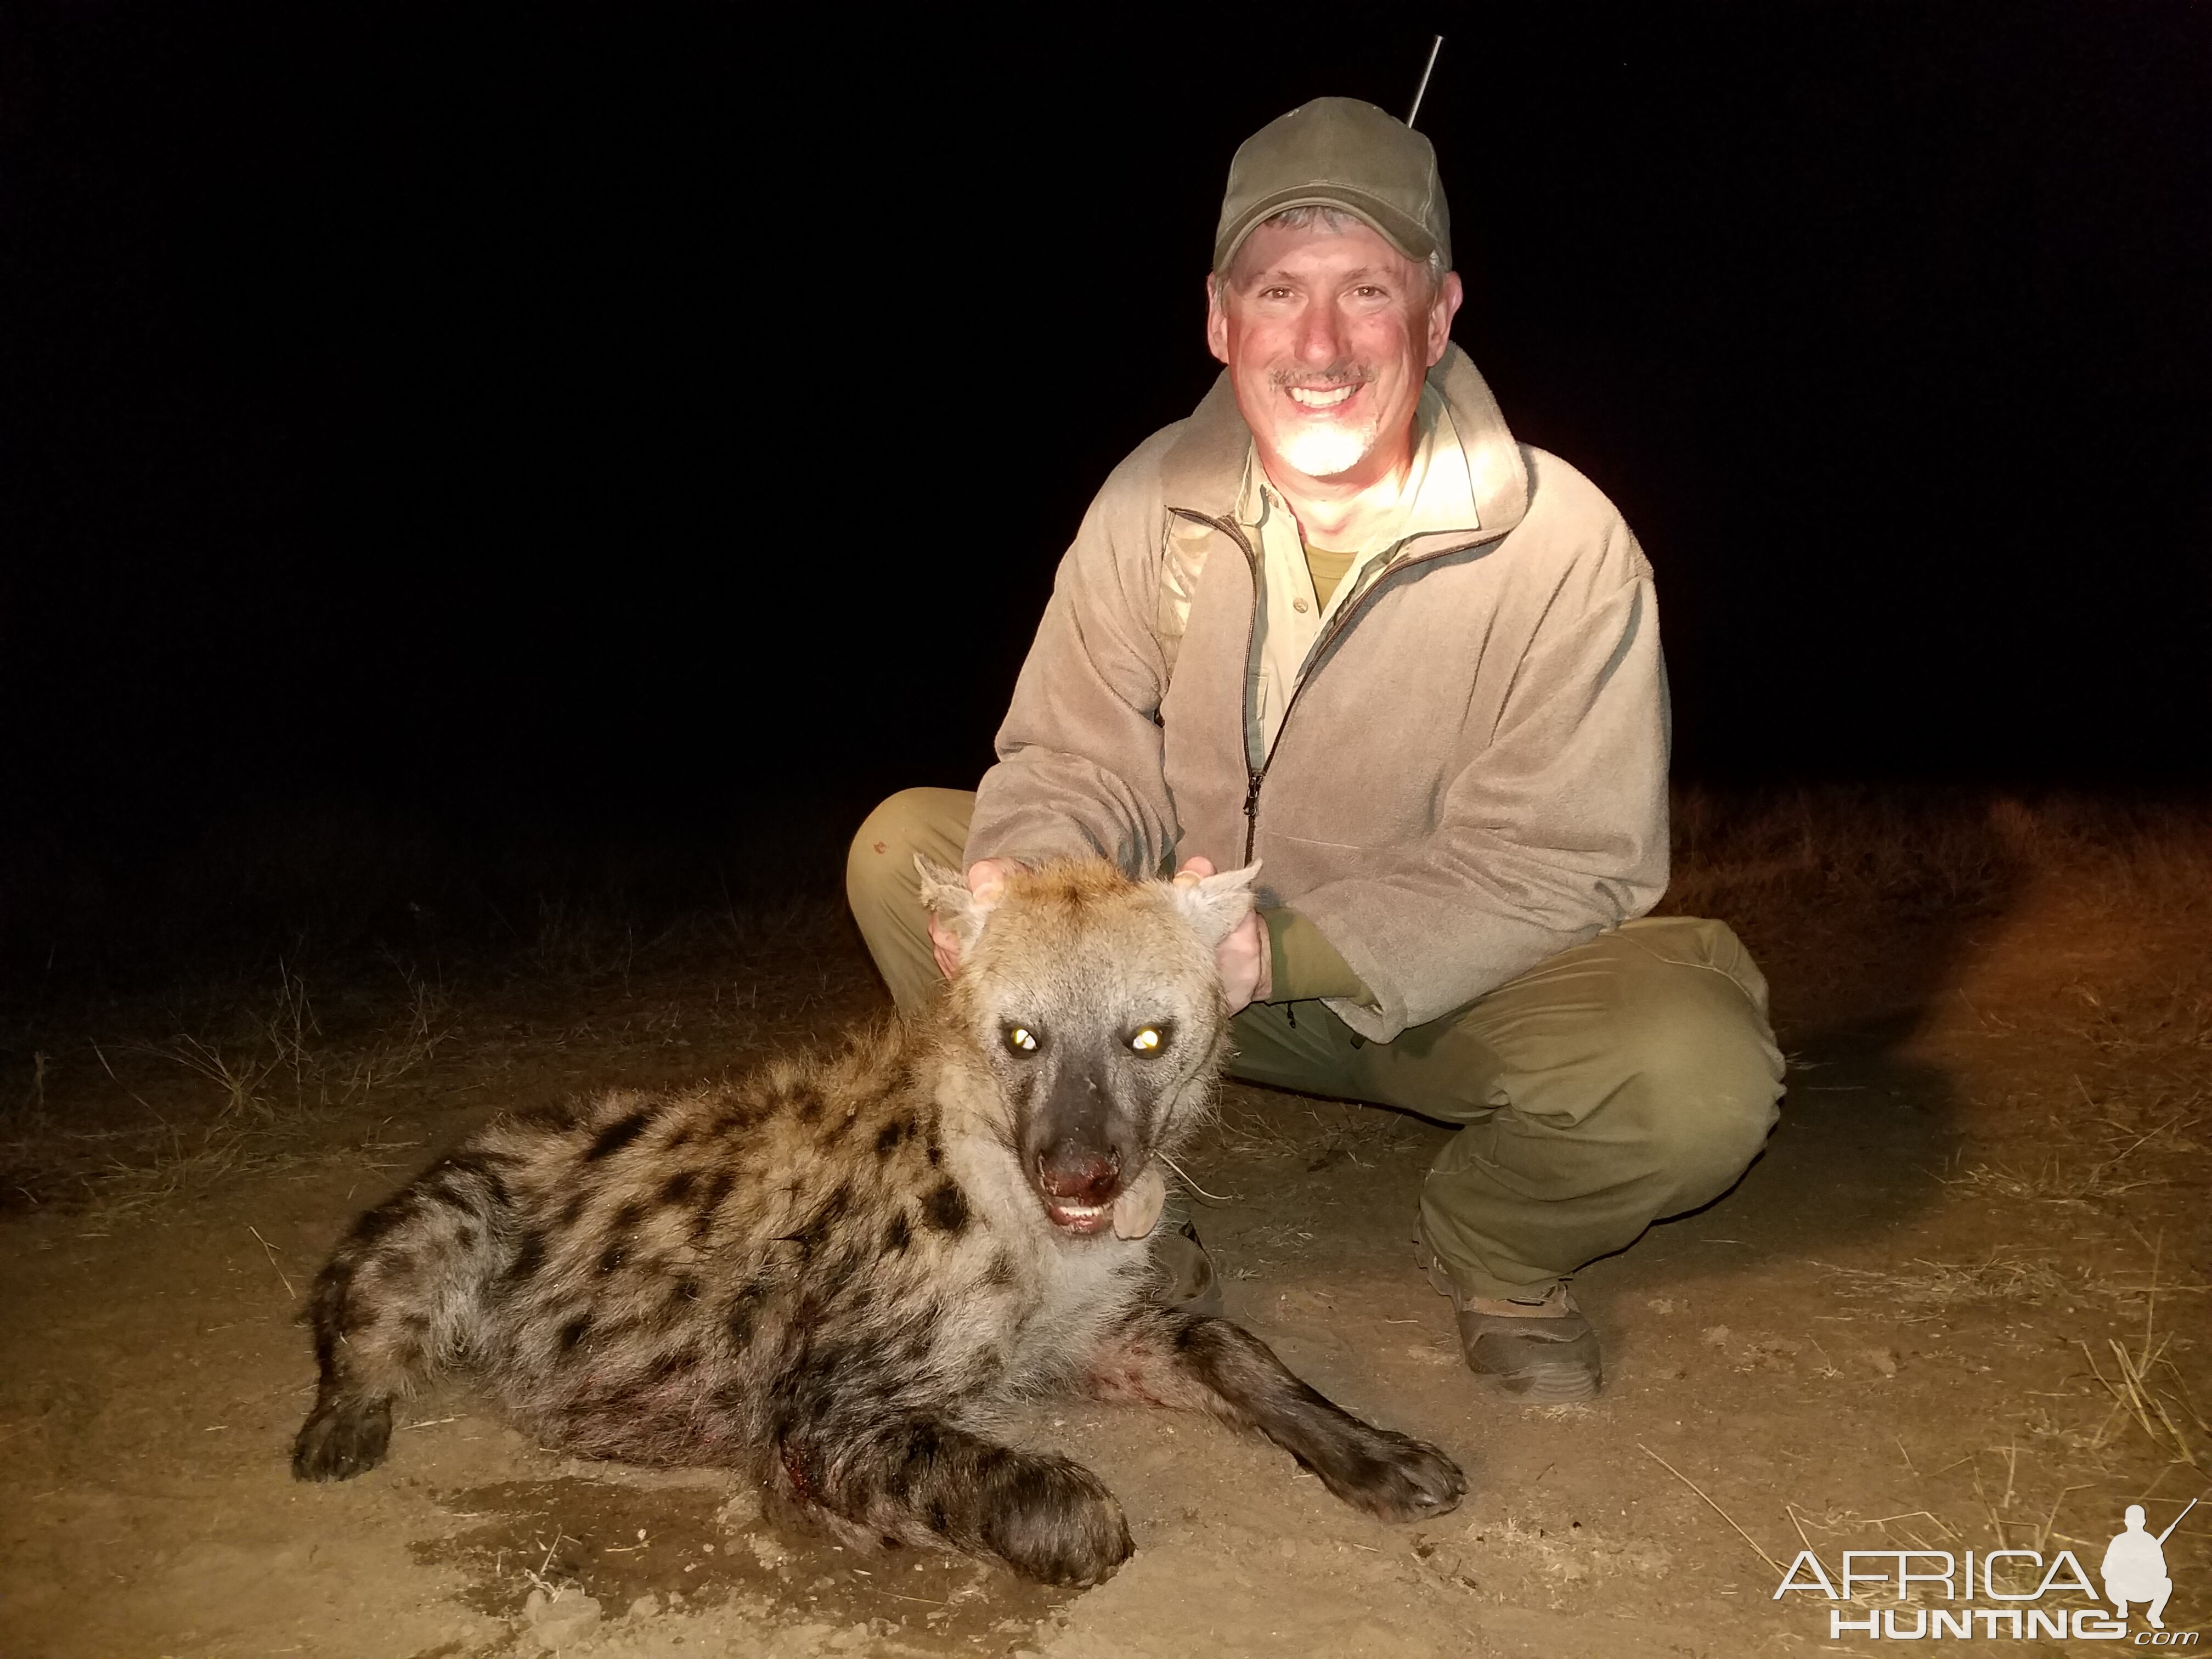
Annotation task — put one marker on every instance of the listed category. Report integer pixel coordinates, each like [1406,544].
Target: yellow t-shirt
[1327,569]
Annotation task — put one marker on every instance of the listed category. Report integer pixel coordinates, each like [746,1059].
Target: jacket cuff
[1305,964]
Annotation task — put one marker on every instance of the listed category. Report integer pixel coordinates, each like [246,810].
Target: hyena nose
[1079,1174]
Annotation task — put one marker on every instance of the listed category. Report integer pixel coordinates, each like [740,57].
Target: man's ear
[1214,905]
[1445,306]
[959,912]
[1217,319]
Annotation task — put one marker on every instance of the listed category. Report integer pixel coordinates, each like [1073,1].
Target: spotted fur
[836,1275]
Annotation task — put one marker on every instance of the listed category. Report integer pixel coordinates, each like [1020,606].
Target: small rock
[1716,1336]
[1884,1360]
[1659,1304]
[645,1606]
[560,1619]
[768,1552]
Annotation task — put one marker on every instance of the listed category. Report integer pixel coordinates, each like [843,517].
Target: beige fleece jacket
[1471,775]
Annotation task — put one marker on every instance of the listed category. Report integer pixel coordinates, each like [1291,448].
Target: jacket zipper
[1256,776]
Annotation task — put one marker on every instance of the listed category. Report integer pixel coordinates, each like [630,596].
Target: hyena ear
[1214,905]
[959,912]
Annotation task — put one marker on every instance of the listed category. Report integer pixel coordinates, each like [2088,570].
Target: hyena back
[837,1274]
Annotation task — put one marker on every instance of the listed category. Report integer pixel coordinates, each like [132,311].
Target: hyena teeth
[743,1274]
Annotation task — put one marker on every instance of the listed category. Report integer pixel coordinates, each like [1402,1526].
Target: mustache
[1324,379]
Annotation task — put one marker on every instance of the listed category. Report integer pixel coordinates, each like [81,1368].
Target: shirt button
[1299,605]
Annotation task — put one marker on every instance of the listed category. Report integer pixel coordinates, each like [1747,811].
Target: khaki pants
[1624,1080]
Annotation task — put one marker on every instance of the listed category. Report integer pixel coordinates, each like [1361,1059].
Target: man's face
[1327,334]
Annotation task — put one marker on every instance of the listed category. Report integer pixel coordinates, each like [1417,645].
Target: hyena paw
[1055,1521]
[342,1439]
[1394,1476]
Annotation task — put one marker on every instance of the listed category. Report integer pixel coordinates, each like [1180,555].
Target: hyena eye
[1147,1041]
[1021,1039]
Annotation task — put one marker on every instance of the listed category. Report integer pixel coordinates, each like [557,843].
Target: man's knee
[1699,1076]
[880,861]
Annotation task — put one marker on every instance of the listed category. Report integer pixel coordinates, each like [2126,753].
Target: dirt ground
[1960,1304]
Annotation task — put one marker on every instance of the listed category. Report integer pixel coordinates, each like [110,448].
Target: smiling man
[1340,622]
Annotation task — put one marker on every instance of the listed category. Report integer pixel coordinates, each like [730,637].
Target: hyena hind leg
[1194,1362]
[389,1308]
[921,1480]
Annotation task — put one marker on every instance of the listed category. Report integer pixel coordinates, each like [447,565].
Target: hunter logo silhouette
[2135,1567]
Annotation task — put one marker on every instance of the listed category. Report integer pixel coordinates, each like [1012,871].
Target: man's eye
[1147,1041]
[1021,1039]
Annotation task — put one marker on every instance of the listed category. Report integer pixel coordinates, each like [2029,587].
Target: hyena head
[1094,1004]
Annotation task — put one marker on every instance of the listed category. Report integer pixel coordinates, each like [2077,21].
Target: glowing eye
[1021,1039]
[1146,1041]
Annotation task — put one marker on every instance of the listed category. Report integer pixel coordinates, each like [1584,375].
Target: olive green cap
[1340,153]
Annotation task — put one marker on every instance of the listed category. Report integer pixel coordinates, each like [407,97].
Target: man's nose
[1320,334]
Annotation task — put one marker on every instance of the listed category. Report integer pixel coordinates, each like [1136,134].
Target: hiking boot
[1188,1281]
[1540,1349]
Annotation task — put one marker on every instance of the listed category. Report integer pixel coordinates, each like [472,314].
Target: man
[2133,1568]
[1340,621]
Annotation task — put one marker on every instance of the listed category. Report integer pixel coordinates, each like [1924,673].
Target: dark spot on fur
[808,1100]
[685,1289]
[811,1235]
[709,1207]
[628,1217]
[573,1332]
[574,1207]
[418,1323]
[1000,1273]
[465,1237]
[678,1187]
[529,1257]
[889,1137]
[381,1220]
[898,1235]
[946,1208]
[935,1152]
[743,1306]
[396,1264]
[681,1137]
[613,1256]
[617,1135]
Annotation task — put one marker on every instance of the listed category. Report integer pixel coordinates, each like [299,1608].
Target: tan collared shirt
[1438,495]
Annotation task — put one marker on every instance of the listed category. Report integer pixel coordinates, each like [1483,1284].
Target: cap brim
[1402,232]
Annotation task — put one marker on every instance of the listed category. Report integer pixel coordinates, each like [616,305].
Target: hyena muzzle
[837,1274]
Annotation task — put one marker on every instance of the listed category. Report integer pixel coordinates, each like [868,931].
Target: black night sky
[590,418]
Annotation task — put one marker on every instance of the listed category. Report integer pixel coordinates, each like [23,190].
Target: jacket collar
[1203,472]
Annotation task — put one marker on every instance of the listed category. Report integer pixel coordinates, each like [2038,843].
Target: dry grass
[2148,1387]
[2123,1159]
[1923,1288]
[1921,852]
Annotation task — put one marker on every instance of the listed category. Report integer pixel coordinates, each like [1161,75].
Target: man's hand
[1245,959]
[986,878]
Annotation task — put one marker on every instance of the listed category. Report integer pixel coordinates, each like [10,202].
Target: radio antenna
[1429,69]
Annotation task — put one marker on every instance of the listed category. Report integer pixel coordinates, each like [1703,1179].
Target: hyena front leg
[1194,1362]
[390,1306]
[922,1480]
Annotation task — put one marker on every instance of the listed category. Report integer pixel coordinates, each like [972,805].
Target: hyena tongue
[1138,1209]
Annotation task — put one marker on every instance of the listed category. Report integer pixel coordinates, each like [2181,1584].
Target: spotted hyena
[837,1274]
